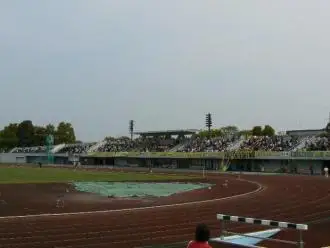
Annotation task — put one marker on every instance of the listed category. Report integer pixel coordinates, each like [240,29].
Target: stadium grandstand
[80,148]
[190,141]
[157,141]
[275,143]
[34,149]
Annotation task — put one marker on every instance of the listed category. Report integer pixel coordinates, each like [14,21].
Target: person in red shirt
[202,236]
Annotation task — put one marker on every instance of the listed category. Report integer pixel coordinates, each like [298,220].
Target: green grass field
[51,175]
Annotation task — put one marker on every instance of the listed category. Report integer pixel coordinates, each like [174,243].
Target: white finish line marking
[259,189]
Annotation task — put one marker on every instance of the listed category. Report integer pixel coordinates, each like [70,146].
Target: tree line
[25,134]
[266,130]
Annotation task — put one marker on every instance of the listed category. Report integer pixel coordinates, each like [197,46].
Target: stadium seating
[80,148]
[274,143]
[318,144]
[125,144]
[195,143]
[199,144]
[35,149]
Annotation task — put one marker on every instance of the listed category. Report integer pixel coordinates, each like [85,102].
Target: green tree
[65,133]
[124,137]
[268,131]
[25,133]
[40,134]
[8,137]
[203,134]
[322,135]
[216,133]
[213,133]
[257,131]
[230,130]
[50,129]
[245,133]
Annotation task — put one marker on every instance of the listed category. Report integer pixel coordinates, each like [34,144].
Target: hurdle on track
[278,224]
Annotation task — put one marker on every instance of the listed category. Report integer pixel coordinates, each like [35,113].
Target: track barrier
[271,223]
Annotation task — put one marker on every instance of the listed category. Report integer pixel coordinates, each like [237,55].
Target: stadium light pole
[208,123]
[131,128]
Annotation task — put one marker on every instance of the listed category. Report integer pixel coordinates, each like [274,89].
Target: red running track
[285,198]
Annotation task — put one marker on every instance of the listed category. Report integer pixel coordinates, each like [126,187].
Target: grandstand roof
[305,132]
[168,132]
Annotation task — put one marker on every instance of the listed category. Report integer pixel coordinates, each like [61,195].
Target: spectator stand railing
[276,224]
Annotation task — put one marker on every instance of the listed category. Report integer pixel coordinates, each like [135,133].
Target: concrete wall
[31,158]
[248,165]
[12,158]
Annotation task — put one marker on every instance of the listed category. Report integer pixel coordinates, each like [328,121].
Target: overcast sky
[165,64]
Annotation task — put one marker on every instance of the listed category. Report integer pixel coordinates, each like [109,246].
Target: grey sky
[164,64]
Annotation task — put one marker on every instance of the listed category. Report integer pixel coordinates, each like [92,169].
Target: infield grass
[9,175]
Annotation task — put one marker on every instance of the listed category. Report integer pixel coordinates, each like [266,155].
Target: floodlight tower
[131,128]
[208,122]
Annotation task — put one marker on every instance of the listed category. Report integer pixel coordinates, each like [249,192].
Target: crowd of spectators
[194,144]
[273,143]
[69,148]
[80,148]
[318,144]
[203,144]
[124,144]
[35,149]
